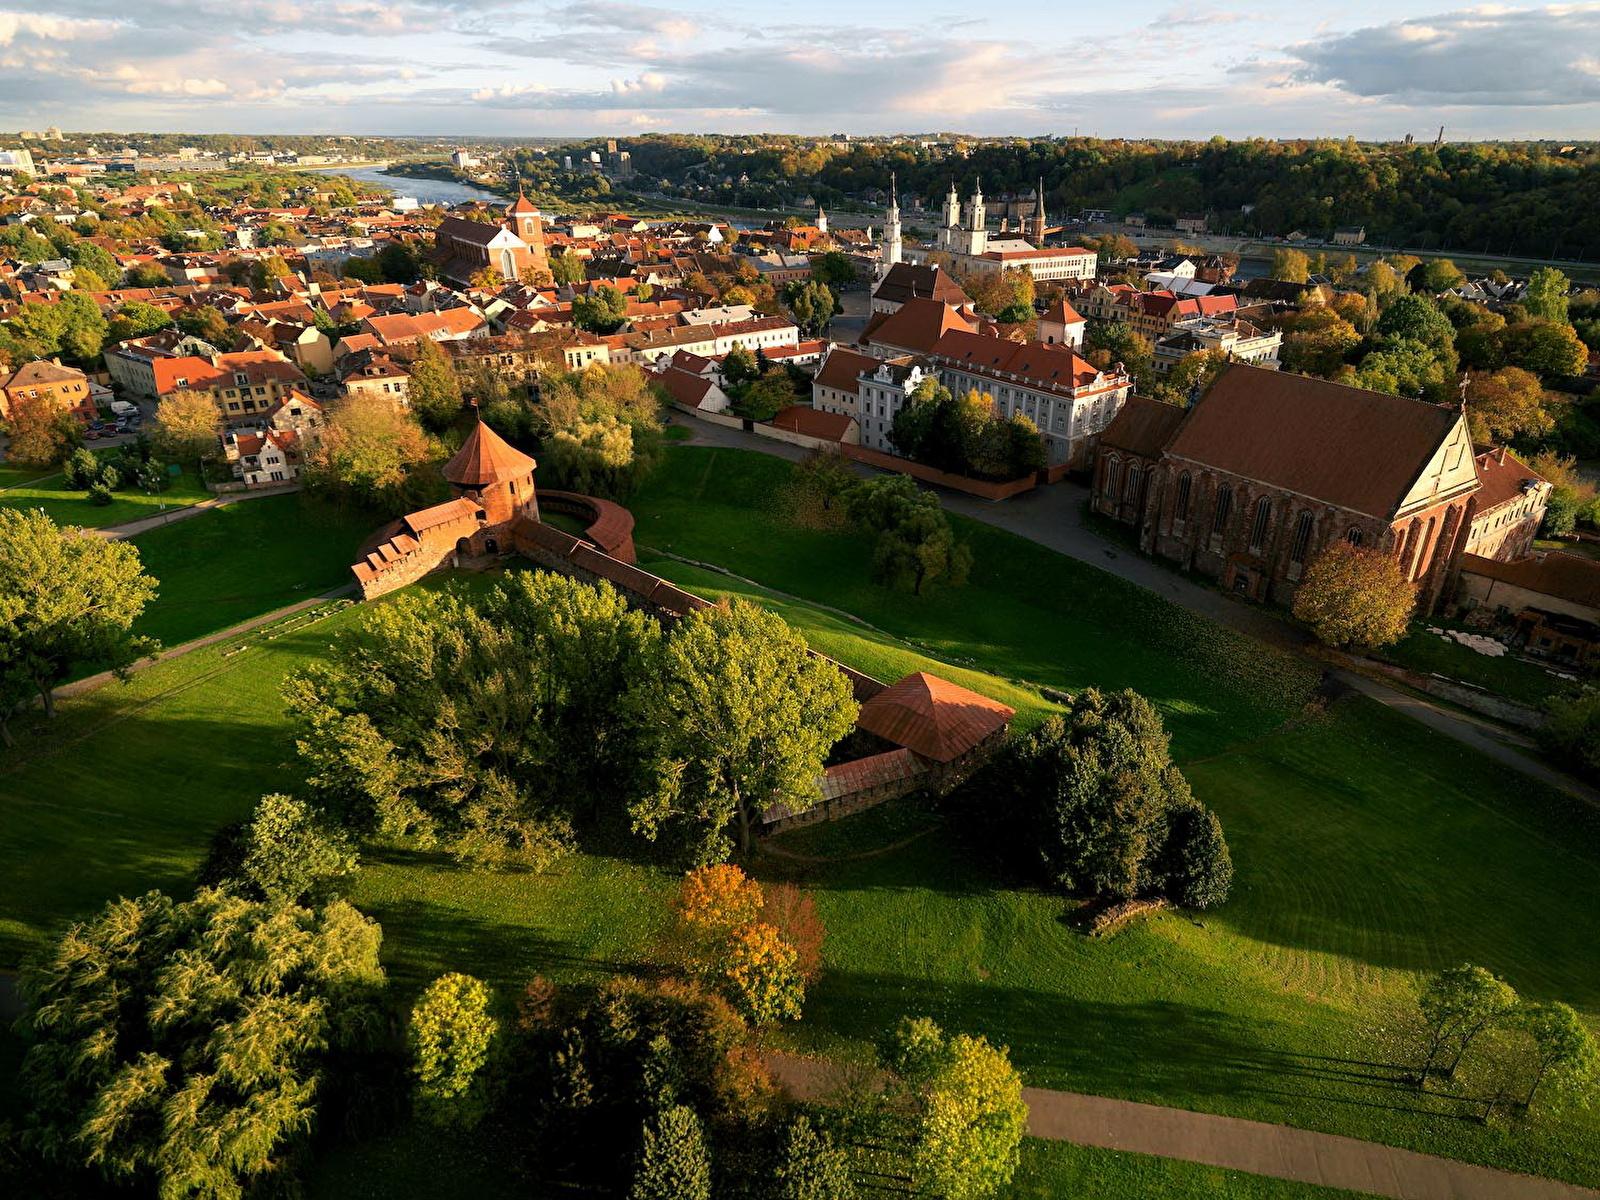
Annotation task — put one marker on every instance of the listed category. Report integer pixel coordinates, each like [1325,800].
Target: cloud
[1476,57]
[48,28]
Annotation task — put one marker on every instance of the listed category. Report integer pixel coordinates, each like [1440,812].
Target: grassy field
[1514,678]
[70,506]
[236,562]
[1368,849]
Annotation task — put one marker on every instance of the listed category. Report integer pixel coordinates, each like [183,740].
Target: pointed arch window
[1302,538]
[1224,509]
[1185,485]
[1258,527]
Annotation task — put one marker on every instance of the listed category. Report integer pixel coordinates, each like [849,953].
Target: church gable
[1449,473]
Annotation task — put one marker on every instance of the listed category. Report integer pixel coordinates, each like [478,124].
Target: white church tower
[891,228]
[822,220]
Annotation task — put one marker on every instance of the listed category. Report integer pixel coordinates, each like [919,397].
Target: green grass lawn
[1514,678]
[1056,1170]
[13,474]
[70,506]
[1368,849]
[221,567]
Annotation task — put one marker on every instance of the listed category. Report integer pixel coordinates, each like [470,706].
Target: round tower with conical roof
[495,475]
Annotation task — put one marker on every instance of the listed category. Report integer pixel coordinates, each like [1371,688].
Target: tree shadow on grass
[1160,1052]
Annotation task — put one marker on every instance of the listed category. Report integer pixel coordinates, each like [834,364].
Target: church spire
[1037,230]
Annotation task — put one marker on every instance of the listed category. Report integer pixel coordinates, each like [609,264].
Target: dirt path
[1236,1144]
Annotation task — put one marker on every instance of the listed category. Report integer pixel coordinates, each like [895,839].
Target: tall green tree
[434,390]
[182,1048]
[1565,1054]
[915,545]
[673,1162]
[811,1166]
[1545,297]
[811,304]
[745,718]
[967,1112]
[67,598]
[602,311]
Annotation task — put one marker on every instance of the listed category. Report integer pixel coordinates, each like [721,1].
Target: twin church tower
[963,229]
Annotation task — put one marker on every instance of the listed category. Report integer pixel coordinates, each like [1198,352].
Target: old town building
[1509,509]
[1266,469]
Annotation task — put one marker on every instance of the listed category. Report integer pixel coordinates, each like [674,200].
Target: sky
[558,67]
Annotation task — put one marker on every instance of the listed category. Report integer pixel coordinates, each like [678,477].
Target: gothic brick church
[1251,482]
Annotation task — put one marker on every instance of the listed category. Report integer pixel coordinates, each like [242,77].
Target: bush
[284,852]
[452,1038]
[1196,868]
[82,468]
[810,1166]
[1572,731]
[1355,596]
[100,495]
[673,1163]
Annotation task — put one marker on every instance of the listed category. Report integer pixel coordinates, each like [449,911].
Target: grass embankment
[25,488]
[1369,850]
[1514,678]
[239,561]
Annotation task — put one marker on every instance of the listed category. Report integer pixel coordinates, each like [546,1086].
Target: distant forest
[1516,198]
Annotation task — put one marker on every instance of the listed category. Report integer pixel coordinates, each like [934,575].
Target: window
[1185,484]
[1219,517]
[1133,482]
[1113,481]
[1302,538]
[1258,529]
[1353,536]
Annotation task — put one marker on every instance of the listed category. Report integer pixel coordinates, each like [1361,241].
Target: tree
[374,455]
[1457,1006]
[968,1113]
[759,973]
[817,489]
[767,713]
[1565,1052]
[1440,275]
[812,305]
[1291,266]
[810,1166]
[425,723]
[567,269]
[399,263]
[187,426]
[1545,297]
[137,319]
[1544,347]
[715,900]
[793,914]
[1192,376]
[72,326]
[434,391]
[1195,863]
[766,397]
[452,1039]
[1355,596]
[916,545]
[1572,730]
[1318,343]
[146,275]
[285,852]
[267,270]
[1096,791]
[1506,404]
[67,598]
[834,270]
[204,322]
[178,1047]
[42,435]
[487,279]
[1417,319]
[673,1163]
[739,367]
[602,311]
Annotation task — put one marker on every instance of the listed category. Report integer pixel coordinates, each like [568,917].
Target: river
[428,191]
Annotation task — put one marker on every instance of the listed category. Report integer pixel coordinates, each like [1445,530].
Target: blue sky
[510,67]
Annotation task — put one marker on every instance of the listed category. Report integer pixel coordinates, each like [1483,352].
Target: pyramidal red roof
[932,716]
[522,205]
[1063,313]
[486,458]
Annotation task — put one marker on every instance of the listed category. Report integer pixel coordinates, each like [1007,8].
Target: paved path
[1053,517]
[1236,1144]
[144,524]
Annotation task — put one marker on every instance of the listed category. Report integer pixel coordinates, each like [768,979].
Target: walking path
[90,683]
[1237,1144]
[130,529]
[1053,517]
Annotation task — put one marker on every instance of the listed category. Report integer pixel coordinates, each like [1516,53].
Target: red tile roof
[1036,363]
[1143,426]
[936,718]
[917,325]
[842,368]
[1501,475]
[1360,450]
[486,458]
[812,422]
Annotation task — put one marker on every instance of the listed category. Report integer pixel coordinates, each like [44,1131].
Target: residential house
[65,389]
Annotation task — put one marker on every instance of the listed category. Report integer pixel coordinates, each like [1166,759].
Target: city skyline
[518,68]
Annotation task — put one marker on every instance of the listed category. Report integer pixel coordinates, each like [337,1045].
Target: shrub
[759,972]
[793,914]
[284,852]
[810,1166]
[1355,596]
[452,1038]
[100,495]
